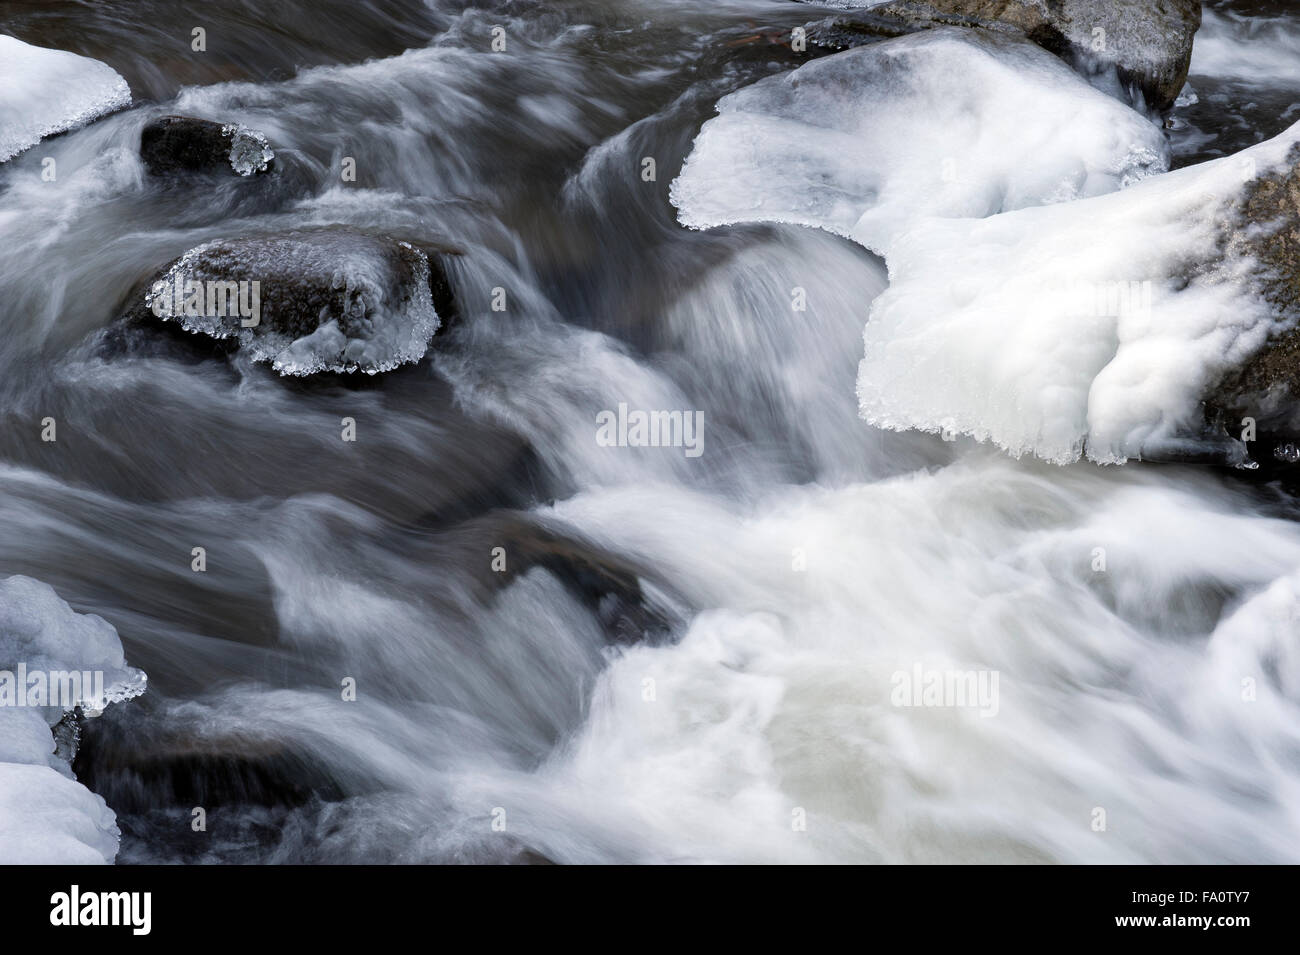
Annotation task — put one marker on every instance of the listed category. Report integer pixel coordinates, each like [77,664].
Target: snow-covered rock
[948,122]
[1149,42]
[43,92]
[1094,328]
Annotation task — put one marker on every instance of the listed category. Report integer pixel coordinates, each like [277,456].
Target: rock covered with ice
[947,122]
[1094,328]
[174,144]
[306,301]
[43,92]
[1149,42]
[46,816]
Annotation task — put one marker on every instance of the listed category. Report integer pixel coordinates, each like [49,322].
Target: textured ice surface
[338,302]
[46,816]
[1092,327]
[942,123]
[250,151]
[43,92]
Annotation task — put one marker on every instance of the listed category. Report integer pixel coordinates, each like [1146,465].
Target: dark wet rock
[860,28]
[186,771]
[1265,390]
[1148,42]
[140,334]
[606,584]
[157,765]
[849,31]
[331,299]
[225,170]
[183,144]
[619,593]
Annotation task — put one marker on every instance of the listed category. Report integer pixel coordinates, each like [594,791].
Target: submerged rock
[1149,42]
[628,610]
[625,599]
[177,144]
[43,92]
[306,301]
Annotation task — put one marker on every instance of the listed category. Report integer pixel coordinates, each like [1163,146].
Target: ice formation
[947,123]
[46,816]
[43,92]
[1090,328]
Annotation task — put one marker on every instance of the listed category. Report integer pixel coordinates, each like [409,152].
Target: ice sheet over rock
[1149,42]
[948,123]
[46,816]
[326,299]
[43,92]
[1093,328]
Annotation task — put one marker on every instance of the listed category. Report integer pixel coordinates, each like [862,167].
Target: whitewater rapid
[1141,620]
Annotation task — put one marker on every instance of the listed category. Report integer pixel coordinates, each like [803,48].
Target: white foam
[948,122]
[46,816]
[1120,684]
[43,92]
[1001,329]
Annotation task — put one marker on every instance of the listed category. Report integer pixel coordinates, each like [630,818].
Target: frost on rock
[43,92]
[250,151]
[46,816]
[947,122]
[1093,328]
[306,302]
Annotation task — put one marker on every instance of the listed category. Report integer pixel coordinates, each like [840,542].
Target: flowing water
[790,570]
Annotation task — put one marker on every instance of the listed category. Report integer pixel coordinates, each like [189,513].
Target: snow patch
[43,92]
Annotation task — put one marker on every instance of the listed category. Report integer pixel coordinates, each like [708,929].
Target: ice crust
[1090,329]
[250,151]
[46,816]
[43,92]
[943,123]
[381,328]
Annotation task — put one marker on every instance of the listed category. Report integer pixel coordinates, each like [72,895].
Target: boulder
[183,144]
[1149,42]
[332,299]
